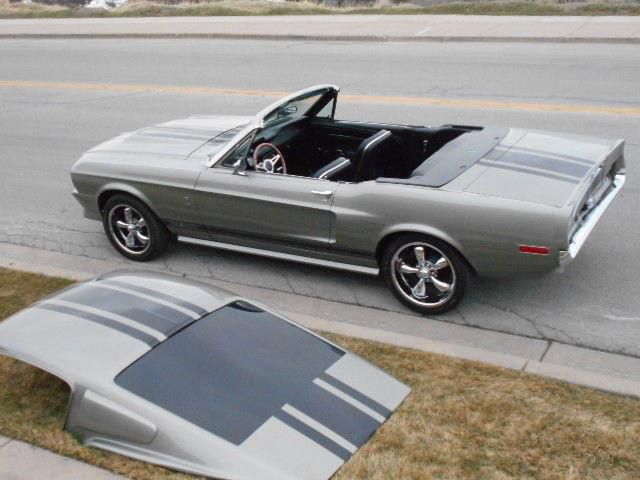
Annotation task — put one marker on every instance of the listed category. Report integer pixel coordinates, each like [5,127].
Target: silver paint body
[101,414]
[486,213]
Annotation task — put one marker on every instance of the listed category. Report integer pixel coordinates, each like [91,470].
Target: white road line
[318,427]
[350,400]
[112,316]
[150,298]
[423,31]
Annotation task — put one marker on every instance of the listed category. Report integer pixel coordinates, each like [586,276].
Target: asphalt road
[84,93]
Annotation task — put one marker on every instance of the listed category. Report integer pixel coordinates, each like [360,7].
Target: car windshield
[295,108]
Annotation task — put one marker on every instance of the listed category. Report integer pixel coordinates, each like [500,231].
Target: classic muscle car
[200,380]
[424,206]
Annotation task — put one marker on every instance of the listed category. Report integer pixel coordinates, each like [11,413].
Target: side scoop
[193,378]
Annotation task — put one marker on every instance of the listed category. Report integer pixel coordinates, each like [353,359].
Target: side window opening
[328,110]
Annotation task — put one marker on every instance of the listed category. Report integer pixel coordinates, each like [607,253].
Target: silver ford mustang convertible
[424,206]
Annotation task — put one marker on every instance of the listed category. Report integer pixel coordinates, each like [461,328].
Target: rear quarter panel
[485,230]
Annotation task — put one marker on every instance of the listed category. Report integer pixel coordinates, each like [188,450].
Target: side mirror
[242,167]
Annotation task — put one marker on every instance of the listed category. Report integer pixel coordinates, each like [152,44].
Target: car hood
[194,378]
[541,167]
[175,139]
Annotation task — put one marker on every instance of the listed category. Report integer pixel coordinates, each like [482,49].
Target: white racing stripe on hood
[113,316]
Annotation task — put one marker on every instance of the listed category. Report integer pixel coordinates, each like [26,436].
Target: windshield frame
[327,92]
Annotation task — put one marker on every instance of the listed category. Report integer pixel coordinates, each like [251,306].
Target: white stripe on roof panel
[369,380]
[150,298]
[112,316]
[317,426]
[350,400]
[200,295]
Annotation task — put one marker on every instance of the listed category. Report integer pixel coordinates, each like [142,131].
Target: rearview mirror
[288,110]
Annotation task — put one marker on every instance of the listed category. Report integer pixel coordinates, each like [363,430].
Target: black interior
[374,150]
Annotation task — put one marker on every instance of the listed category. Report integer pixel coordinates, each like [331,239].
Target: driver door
[263,210]
[244,206]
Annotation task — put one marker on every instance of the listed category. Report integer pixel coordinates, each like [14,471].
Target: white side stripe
[318,427]
[112,316]
[150,298]
[350,400]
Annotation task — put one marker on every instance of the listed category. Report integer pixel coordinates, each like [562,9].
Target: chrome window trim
[331,170]
[380,138]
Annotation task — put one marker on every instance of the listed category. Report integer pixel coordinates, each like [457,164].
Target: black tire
[157,235]
[400,264]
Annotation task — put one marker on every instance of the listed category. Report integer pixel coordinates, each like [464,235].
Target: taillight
[534,250]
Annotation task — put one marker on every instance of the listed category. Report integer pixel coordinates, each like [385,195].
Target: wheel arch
[111,189]
[400,230]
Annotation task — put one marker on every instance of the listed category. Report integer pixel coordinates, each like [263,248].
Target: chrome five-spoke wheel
[129,228]
[133,228]
[425,273]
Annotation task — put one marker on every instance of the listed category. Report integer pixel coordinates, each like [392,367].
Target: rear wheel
[133,229]
[425,273]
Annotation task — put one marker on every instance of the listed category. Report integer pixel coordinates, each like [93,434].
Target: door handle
[324,193]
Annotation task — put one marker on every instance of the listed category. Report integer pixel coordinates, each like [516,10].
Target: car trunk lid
[548,168]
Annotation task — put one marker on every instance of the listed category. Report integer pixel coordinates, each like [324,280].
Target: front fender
[126,188]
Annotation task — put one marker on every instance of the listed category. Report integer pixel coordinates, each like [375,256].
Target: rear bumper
[590,221]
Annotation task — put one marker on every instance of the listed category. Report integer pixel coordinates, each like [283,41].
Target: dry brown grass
[463,420]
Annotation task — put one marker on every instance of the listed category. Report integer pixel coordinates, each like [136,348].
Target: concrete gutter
[359,28]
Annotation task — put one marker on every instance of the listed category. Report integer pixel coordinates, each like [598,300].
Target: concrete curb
[322,38]
[512,362]
[592,375]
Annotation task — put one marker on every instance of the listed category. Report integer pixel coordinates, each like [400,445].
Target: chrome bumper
[590,221]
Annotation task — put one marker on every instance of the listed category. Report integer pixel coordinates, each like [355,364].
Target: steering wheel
[270,164]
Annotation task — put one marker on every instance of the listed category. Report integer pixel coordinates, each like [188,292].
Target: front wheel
[133,229]
[425,273]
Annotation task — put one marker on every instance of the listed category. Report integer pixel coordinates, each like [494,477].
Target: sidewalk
[21,461]
[622,29]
